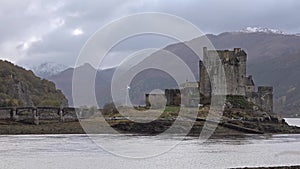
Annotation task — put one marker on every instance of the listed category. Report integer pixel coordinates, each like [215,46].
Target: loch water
[79,151]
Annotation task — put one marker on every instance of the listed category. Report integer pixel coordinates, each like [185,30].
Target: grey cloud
[21,20]
[218,16]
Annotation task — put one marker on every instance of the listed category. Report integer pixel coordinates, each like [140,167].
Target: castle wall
[190,96]
[242,72]
[265,98]
[204,85]
[234,64]
[250,89]
[232,73]
[173,97]
[156,100]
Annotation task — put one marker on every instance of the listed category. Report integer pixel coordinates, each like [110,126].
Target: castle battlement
[234,57]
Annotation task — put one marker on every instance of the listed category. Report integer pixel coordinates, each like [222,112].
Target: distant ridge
[48,69]
[273,57]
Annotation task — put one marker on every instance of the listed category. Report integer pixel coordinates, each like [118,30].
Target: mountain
[20,87]
[63,81]
[143,83]
[273,59]
[48,69]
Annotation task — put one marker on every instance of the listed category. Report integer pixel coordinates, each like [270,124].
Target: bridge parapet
[15,112]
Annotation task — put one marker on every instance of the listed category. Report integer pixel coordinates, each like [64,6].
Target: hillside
[63,81]
[20,87]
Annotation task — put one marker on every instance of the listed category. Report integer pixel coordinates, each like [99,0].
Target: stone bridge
[37,111]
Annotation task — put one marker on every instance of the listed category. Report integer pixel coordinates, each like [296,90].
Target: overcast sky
[36,31]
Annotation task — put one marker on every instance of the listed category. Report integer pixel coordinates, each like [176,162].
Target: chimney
[237,50]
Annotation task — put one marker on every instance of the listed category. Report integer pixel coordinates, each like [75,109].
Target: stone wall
[204,84]
[155,101]
[265,98]
[173,97]
[234,65]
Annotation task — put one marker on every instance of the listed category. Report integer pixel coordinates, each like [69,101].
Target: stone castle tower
[234,64]
[237,83]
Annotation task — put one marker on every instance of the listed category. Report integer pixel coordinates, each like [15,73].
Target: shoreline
[8,127]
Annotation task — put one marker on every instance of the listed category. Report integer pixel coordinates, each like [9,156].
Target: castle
[238,83]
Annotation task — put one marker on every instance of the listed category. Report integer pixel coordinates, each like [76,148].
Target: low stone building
[173,97]
[263,98]
[156,100]
[190,94]
[187,95]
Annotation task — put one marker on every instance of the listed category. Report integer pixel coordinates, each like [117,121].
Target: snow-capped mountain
[47,69]
[262,30]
